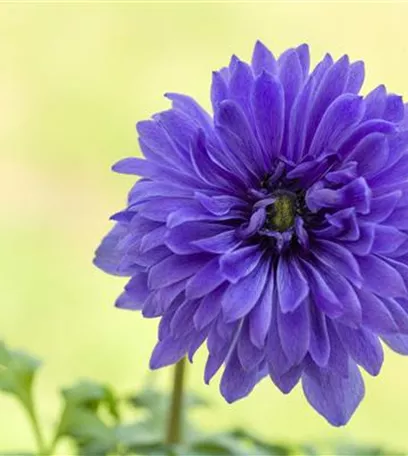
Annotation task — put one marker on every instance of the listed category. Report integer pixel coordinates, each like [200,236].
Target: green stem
[174,428]
[36,428]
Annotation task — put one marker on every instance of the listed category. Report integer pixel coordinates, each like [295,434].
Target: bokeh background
[74,79]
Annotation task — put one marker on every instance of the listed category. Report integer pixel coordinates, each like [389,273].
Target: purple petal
[294,333]
[219,90]
[239,298]
[291,77]
[361,246]
[387,239]
[155,138]
[249,355]
[381,278]
[240,262]
[322,295]
[191,213]
[331,86]
[297,126]
[263,59]
[341,288]
[107,256]
[240,86]
[319,347]
[338,258]
[169,351]
[287,381]
[278,363]
[375,315]
[236,133]
[394,108]
[192,109]
[363,346]
[182,320]
[268,108]
[356,77]
[181,239]
[218,205]
[362,130]
[339,358]
[371,154]
[128,301]
[137,290]
[209,308]
[291,284]
[375,103]
[205,280]
[345,112]
[153,239]
[397,342]
[175,268]
[382,208]
[304,58]
[236,382]
[220,243]
[260,315]
[334,396]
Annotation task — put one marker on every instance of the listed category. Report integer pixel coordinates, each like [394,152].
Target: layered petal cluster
[276,230]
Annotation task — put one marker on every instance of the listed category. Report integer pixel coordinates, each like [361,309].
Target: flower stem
[36,428]
[175,417]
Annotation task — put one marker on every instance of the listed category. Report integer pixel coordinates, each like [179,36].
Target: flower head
[276,230]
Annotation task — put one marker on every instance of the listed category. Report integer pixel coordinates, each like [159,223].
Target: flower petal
[239,298]
[380,277]
[263,59]
[333,396]
[291,284]
[240,262]
[363,346]
[294,333]
[268,108]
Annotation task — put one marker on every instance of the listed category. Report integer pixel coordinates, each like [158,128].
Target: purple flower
[274,231]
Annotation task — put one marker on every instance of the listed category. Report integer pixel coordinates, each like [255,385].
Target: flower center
[281,214]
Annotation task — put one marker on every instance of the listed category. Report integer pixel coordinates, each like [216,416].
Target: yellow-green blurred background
[74,79]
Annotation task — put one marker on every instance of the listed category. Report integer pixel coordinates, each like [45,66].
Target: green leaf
[350,449]
[262,447]
[136,434]
[154,450]
[86,428]
[4,355]
[193,400]
[221,445]
[308,450]
[80,420]
[152,400]
[91,395]
[17,373]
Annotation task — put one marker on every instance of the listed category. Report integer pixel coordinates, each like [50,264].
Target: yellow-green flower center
[281,214]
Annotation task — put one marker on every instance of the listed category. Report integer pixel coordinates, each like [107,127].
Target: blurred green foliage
[91,418]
